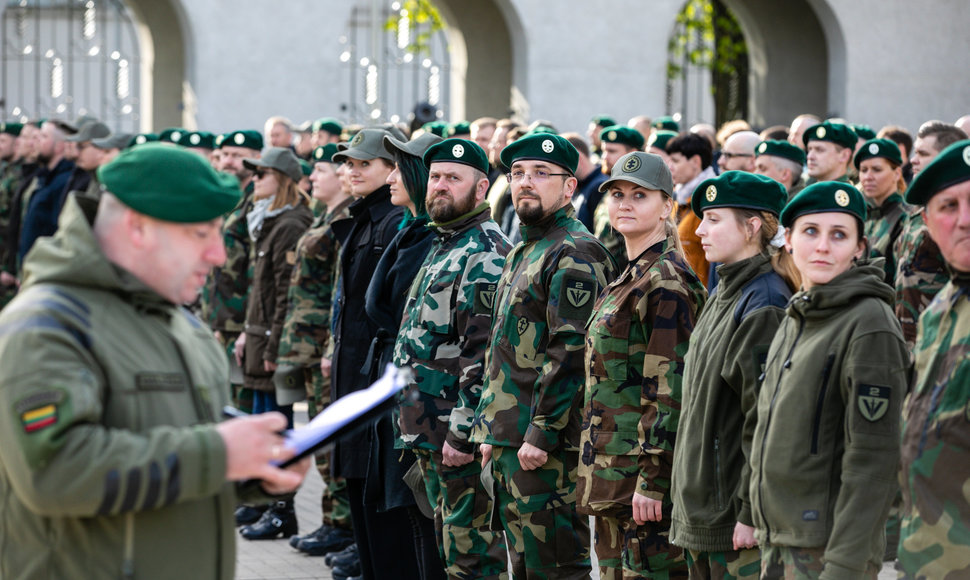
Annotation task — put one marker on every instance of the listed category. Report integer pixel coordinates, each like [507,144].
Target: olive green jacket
[110,467]
[826,448]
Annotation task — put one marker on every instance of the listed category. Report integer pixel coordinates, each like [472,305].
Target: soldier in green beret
[879,163]
[783,162]
[936,511]
[635,345]
[111,390]
[739,229]
[325,130]
[829,148]
[825,451]
[528,419]
[657,144]
[596,126]
[459,130]
[666,123]
[10,171]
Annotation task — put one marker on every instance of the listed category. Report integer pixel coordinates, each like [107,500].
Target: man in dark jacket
[42,207]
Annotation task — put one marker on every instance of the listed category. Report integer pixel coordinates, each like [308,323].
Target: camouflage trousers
[467,545]
[334,503]
[546,537]
[729,565]
[799,563]
[626,550]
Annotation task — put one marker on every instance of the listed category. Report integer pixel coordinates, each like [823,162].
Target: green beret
[11,128]
[281,159]
[623,135]
[436,127]
[199,139]
[884,148]
[143,138]
[416,147]
[367,144]
[39,122]
[542,147]
[739,189]
[305,167]
[833,132]
[460,128]
[782,149]
[644,169]
[458,151]
[666,123]
[603,120]
[247,138]
[950,167]
[543,130]
[170,184]
[328,124]
[660,138]
[171,135]
[863,132]
[824,197]
[324,154]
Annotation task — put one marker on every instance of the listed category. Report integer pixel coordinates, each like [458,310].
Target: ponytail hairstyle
[781,261]
[670,228]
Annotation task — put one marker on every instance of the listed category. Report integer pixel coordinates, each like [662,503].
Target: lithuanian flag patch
[39,418]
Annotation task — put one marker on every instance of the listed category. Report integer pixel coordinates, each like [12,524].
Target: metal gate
[66,58]
[396,57]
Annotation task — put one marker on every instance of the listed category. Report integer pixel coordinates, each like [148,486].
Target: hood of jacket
[864,280]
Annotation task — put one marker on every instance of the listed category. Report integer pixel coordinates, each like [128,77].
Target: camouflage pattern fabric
[920,273]
[635,348]
[883,226]
[534,360]
[612,239]
[730,565]
[462,510]
[447,317]
[546,537]
[224,295]
[9,180]
[784,562]
[935,537]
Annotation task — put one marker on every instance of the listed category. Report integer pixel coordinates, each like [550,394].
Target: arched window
[66,58]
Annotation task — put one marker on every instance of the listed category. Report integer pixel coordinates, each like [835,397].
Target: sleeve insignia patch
[39,418]
[576,298]
[873,401]
[484,297]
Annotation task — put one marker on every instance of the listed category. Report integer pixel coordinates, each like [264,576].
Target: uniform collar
[476,216]
[539,230]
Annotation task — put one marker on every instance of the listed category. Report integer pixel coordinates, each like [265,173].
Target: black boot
[342,558]
[278,520]
[321,531]
[249,514]
[334,541]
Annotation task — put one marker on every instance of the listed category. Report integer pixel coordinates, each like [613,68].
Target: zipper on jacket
[718,491]
[771,406]
[128,565]
[826,371]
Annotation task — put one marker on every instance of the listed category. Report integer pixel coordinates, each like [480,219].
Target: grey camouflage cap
[281,159]
[89,132]
[366,145]
[644,169]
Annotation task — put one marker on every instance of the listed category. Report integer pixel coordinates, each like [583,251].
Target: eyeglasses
[537,176]
[259,174]
[729,155]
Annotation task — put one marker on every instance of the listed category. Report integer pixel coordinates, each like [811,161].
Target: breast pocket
[608,346]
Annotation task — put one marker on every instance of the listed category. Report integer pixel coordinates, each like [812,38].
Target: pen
[231,412]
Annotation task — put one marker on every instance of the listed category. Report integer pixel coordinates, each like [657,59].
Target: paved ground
[276,560]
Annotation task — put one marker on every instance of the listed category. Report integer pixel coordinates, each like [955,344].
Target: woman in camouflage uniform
[635,343]
[711,514]
[879,163]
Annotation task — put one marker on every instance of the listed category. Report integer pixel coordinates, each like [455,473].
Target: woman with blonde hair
[279,216]
[635,345]
[739,229]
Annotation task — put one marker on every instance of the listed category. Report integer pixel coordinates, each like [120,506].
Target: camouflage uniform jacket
[723,365]
[920,273]
[534,363]
[306,330]
[884,224]
[447,318]
[825,454]
[9,175]
[635,350]
[936,441]
[224,299]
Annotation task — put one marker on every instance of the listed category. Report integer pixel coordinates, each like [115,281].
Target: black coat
[363,240]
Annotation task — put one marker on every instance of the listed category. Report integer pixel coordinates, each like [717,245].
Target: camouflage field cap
[281,159]
[461,151]
[169,183]
[884,148]
[366,145]
[739,189]
[90,131]
[415,147]
[623,135]
[825,197]
[950,167]
[783,149]
[644,169]
[113,141]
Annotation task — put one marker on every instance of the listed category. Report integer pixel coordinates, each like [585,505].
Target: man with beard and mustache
[42,207]
[528,419]
[442,338]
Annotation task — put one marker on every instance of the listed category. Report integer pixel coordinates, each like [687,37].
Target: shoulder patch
[484,297]
[39,411]
[576,298]
[873,401]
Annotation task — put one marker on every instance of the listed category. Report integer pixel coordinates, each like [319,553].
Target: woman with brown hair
[279,217]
